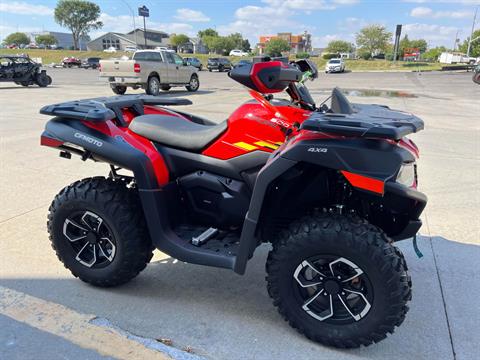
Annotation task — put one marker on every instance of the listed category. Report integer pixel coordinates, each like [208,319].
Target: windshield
[334,62]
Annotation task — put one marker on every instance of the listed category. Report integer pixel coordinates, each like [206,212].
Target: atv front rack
[367,121]
[108,108]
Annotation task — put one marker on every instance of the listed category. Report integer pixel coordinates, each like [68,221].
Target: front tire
[98,232]
[42,79]
[194,83]
[338,280]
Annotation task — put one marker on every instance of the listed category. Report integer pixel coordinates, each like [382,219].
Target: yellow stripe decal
[267,145]
[245,146]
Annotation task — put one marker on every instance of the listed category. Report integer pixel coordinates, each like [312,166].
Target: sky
[436,21]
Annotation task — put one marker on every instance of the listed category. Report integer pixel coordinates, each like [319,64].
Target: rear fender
[363,162]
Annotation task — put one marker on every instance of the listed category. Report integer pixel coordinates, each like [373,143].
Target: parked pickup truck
[152,70]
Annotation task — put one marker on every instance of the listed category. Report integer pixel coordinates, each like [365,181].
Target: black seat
[176,132]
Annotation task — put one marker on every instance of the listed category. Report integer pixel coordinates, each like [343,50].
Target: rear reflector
[364,182]
[47,141]
[136,68]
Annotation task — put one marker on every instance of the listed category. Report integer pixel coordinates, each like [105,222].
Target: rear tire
[315,259]
[194,83]
[98,232]
[153,86]
[119,90]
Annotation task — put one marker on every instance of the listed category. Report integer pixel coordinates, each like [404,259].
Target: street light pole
[133,19]
[471,34]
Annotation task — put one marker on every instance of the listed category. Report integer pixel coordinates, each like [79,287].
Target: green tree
[474,47]
[246,45]
[46,40]
[179,40]
[210,42]
[275,47]
[419,44]
[79,16]
[237,40]
[434,53]
[339,46]
[373,38]
[17,38]
[207,32]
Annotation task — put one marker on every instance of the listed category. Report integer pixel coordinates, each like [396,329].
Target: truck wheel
[119,90]
[194,83]
[153,86]
[98,232]
[200,68]
[42,79]
[165,87]
[338,280]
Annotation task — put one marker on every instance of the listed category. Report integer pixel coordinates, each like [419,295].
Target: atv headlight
[407,174]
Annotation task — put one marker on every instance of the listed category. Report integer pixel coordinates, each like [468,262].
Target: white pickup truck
[152,70]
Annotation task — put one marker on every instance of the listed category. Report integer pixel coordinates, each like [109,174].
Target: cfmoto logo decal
[317,150]
[88,139]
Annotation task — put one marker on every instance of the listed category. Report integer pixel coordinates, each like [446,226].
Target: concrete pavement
[217,313]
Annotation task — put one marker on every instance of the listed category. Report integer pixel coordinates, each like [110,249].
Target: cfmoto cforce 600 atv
[330,188]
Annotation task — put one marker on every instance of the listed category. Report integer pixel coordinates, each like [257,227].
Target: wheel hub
[91,239]
[333,289]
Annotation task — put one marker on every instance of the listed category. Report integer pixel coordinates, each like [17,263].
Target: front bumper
[405,200]
[333,69]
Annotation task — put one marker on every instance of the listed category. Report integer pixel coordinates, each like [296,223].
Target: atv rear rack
[368,121]
[108,108]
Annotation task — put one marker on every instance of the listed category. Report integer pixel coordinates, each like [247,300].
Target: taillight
[136,68]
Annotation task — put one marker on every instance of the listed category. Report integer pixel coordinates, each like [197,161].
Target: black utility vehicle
[220,64]
[23,71]
[242,63]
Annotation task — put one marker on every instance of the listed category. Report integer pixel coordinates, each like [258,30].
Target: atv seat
[176,132]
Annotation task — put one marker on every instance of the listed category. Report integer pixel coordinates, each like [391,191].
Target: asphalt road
[216,313]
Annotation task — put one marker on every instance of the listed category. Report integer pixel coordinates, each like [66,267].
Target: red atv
[331,188]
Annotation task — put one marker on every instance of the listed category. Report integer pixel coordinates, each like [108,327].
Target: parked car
[131,49]
[195,62]
[111,50]
[476,74]
[335,65]
[220,64]
[71,61]
[237,52]
[91,63]
[164,48]
[22,71]
[152,70]
[242,63]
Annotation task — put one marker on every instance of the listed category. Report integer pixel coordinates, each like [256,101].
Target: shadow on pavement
[223,315]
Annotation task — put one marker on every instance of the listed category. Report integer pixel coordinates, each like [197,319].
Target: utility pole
[456,40]
[471,34]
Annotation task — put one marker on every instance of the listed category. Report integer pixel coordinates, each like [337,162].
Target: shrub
[302,55]
[330,56]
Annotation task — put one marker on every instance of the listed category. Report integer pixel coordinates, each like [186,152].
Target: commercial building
[298,43]
[134,38]
[64,40]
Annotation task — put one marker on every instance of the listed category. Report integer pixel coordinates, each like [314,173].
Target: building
[298,43]
[64,40]
[194,46]
[133,38]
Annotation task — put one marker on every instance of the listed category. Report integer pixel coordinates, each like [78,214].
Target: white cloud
[434,34]
[23,8]
[124,24]
[190,15]
[6,29]
[426,12]
[322,41]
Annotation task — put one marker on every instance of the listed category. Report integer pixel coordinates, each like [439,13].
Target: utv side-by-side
[22,71]
[331,188]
